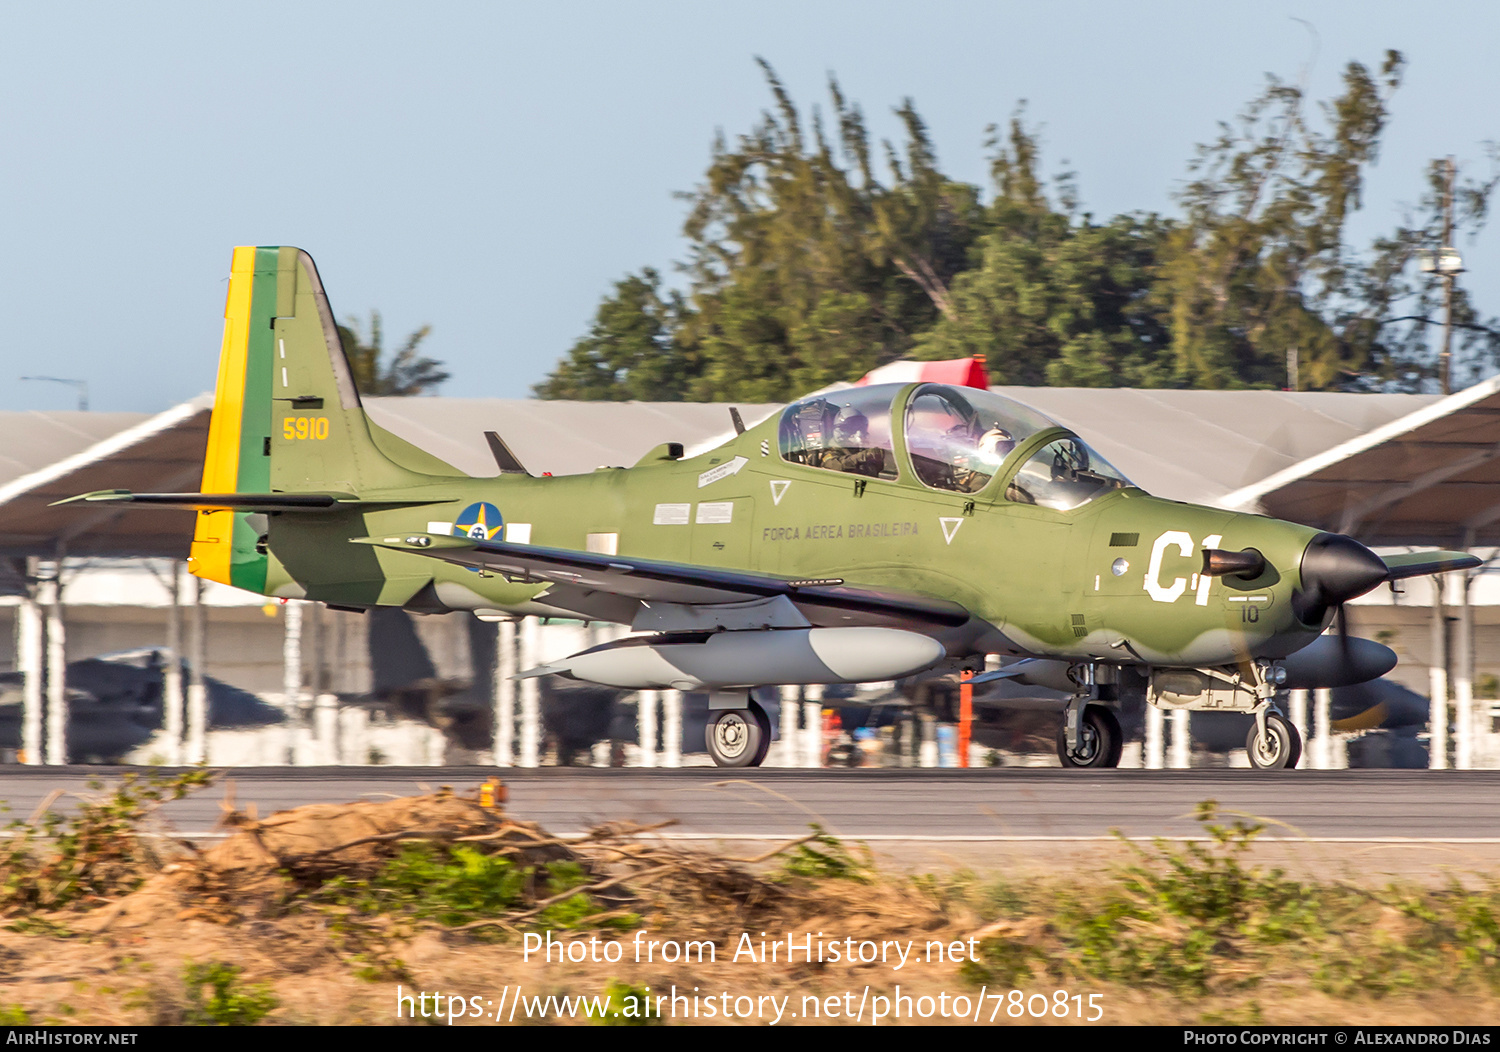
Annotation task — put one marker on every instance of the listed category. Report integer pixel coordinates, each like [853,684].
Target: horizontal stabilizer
[1419,564]
[262,502]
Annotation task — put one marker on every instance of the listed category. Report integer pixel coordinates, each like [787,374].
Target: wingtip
[96,496]
[542,670]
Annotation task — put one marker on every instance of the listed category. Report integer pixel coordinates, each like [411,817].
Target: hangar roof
[1197,446]
[1429,477]
[1225,447]
[55,455]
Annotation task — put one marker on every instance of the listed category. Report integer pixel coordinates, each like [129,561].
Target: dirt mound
[266,861]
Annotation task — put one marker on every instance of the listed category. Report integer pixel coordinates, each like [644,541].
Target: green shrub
[226,1004]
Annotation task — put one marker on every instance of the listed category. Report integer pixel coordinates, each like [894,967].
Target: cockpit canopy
[957,438]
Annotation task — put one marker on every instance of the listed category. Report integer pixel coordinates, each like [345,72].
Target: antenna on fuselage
[504,458]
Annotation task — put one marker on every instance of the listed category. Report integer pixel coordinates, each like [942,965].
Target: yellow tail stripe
[221,463]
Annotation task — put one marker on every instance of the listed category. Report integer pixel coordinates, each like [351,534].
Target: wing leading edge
[822,602]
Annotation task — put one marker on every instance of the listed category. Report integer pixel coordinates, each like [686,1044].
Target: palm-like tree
[407,373]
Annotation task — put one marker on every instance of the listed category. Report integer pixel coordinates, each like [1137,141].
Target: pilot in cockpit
[850,450]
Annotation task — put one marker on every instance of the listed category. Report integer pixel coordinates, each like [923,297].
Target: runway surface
[1009,804]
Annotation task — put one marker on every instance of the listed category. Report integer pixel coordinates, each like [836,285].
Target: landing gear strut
[1099,740]
[738,737]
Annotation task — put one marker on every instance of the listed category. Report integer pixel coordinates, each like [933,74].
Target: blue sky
[492,169]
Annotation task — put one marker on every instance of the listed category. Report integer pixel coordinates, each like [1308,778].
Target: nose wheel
[739,737]
[1280,747]
[1099,740]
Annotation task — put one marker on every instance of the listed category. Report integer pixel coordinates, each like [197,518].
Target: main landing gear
[1090,734]
[738,737]
[1099,741]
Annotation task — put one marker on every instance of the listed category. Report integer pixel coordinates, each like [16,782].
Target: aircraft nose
[1335,569]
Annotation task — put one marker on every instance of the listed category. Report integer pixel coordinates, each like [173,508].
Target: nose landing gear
[1277,746]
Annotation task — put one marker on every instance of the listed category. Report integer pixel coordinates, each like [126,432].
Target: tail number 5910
[304,427]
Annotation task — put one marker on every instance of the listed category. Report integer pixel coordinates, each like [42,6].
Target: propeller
[1335,569]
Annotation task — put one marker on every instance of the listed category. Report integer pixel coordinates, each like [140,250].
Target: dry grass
[326,911]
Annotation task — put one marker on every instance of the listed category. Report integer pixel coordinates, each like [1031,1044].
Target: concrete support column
[1463,676]
[1297,706]
[354,736]
[291,682]
[927,754]
[812,726]
[784,749]
[671,731]
[1182,741]
[531,697]
[57,669]
[505,694]
[595,633]
[326,724]
[1322,746]
[31,663]
[645,725]
[1156,726]
[171,693]
[197,691]
[1437,672]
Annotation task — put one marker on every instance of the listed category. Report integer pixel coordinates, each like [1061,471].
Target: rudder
[287,416]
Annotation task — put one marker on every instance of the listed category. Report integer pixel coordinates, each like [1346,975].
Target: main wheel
[738,737]
[1281,747]
[1099,740]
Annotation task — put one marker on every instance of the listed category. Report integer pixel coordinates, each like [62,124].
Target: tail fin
[287,417]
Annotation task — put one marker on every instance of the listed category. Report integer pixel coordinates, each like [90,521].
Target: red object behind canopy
[960,372]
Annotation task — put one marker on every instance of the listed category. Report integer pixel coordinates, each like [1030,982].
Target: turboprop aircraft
[865,535]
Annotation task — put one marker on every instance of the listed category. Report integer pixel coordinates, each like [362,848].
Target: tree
[1258,265]
[808,266]
[407,373]
[803,268]
[1051,297]
[631,353]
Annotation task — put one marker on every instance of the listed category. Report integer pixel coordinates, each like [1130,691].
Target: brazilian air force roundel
[480,522]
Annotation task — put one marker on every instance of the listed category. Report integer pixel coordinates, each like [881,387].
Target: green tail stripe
[247,567]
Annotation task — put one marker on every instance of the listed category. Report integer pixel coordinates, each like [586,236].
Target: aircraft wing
[263,502]
[822,602]
[1418,564]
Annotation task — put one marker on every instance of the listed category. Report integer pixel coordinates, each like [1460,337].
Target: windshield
[959,437]
[1064,475]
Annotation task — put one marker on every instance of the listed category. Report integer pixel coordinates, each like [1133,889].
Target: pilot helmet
[996,443]
[850,427]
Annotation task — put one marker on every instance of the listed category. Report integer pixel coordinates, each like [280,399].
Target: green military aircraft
[869,534]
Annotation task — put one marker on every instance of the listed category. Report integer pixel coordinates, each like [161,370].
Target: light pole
[1448,265]
[82,385]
